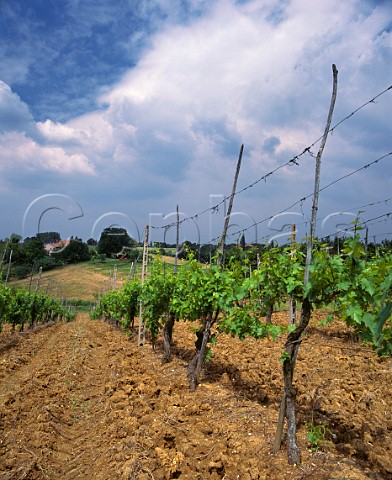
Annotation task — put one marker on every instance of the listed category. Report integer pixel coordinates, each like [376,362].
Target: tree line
[30,254]
[47,250]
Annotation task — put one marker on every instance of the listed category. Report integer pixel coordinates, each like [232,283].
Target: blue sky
[114,113]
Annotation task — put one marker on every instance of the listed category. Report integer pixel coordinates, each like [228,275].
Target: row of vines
[356,289]
[19,308]
[237,301]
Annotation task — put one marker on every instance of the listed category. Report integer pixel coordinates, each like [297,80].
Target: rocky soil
[80,400]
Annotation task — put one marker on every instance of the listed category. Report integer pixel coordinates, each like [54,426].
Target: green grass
[86,280]
[108,265]
[81,305]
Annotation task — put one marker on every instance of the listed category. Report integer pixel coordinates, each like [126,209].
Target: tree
[207,251]
[14,238]
[13,244]
[49,237]
[33,249]
[91,242]
[113,240]
[76,251]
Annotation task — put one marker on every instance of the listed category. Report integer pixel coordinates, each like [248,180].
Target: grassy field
[74,282]
[85,281]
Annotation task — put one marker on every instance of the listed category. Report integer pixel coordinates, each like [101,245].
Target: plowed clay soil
[80,400]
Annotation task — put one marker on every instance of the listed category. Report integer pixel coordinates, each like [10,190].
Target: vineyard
[230,301]
[181,375]
[81,400]
[20,307]
[357,289]
[269,367]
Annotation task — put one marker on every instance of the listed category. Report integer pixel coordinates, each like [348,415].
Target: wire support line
[385,201]
[303,199]
[377,218]
[381,235]
[370,204]
[293,161]
[215,208]
[372,100]
[356,171]
[364,223]
[379,202]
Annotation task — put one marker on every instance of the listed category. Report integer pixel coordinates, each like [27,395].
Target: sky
[115,113]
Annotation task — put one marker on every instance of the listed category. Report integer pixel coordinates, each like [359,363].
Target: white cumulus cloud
[22,154]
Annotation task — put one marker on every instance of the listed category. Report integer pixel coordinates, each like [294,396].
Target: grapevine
[354,288]
[18,307]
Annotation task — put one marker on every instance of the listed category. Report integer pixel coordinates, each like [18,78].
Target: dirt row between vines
[80,400]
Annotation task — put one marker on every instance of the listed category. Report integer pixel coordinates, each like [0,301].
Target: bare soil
[80,400]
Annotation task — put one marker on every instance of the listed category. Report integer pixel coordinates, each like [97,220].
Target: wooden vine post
[177,240]
[2,260]
[294,338]
[142,334]
[167,330]
[115,277]
[38,285]
[196,364]
[222,241]
[293,305]
[8,268]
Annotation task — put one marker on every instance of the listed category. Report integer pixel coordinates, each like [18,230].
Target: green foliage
[76,251]
[33,249]
[91,242]
[329,319]
[130,301]
[111,306]
[28,255]
[119,305]
[49,237]
[317,435]
[22,271]
[200,291]
[280,274]
[360,288]
[47,263]
[284,356]
[113,240]
[243,321]
[204,253]
[18,307]
[156,295]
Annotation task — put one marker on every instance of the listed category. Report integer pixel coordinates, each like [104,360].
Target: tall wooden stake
[293,305]
[196,364]
[2,260]
[31,276]
[228,213]
[38,286]
[288,403]
[115,277]
[142,334]
[310,240]
[9,268]
[177,241]
[366,238]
